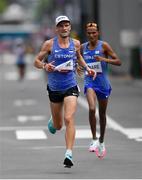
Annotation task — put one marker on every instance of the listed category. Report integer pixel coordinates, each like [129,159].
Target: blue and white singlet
[101,84]
[59,81]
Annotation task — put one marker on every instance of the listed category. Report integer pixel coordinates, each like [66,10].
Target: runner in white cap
[63,53]
[60,19]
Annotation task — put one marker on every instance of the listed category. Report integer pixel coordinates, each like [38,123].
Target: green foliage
[3,5]
[42,8]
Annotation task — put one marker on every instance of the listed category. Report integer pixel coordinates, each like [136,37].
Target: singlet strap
[84,45]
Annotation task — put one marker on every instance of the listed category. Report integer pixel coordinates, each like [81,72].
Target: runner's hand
[99,58]
[49,66]
[92,72]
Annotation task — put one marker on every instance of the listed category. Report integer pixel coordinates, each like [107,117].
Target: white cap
[60,19]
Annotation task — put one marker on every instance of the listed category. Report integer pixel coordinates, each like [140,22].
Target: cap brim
[62,21]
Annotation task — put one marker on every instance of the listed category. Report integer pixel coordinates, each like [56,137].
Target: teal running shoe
[51,128]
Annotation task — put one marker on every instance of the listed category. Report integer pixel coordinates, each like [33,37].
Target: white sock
[69,151]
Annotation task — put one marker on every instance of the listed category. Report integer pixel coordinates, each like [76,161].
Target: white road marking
[83,134]
[10,58]
[134,133]
[33,75]
[24,102]
[52,147]
[13,75]
[23,118]
[38,134]
[14,128]
[81,131]
[130,133]
[30,134]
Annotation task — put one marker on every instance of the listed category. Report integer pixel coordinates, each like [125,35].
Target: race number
[65,66]
[96,66]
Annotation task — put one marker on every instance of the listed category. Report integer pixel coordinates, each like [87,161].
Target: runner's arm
[109,52]
[81,61]
[45,50]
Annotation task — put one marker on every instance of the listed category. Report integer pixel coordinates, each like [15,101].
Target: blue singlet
[101,84]
[59,81]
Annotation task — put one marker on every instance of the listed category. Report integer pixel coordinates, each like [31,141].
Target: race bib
[96,66]
[65,66]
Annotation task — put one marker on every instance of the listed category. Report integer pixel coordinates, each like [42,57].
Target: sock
[69,152]
[94,140]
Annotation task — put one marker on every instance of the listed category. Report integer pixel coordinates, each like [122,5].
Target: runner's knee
[92,111]
[68,120]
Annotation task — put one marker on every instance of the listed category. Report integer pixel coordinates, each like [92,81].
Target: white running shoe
[94,145]
[101,151]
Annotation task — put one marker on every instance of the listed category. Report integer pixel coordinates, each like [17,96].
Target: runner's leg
[91,98]
[102,115]
[57,114]
[70,105]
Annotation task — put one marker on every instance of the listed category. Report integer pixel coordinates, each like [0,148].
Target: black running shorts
[58,96]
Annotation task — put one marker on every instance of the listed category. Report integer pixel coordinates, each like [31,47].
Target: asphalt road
[29,151]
